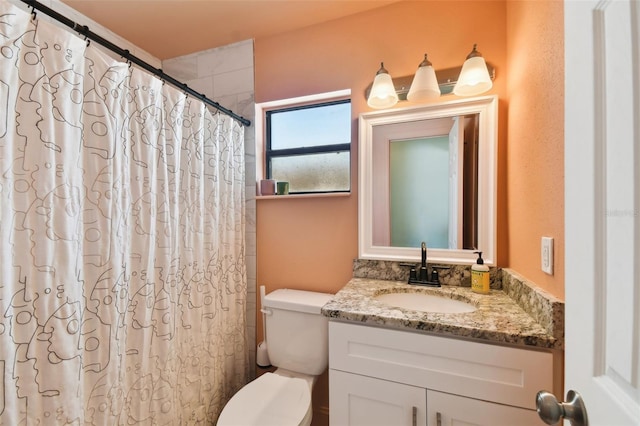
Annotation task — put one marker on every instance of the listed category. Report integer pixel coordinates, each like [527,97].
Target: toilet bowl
[298,346]
[272,399]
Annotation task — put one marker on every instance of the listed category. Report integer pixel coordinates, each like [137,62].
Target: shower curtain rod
[84,30]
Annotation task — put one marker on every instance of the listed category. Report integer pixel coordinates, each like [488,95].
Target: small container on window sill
[268,187]
[282,188]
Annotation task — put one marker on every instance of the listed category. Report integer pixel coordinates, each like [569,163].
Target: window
[309,146]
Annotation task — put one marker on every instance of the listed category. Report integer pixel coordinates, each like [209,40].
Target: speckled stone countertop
[497,318]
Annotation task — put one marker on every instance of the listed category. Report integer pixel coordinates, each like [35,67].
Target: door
[407,154]
[602,207]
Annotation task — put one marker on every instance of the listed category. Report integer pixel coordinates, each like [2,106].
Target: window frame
[264,153]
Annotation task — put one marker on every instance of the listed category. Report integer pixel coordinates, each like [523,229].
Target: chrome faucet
[422,276]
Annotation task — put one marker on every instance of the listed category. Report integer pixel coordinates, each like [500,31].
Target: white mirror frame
[487,108]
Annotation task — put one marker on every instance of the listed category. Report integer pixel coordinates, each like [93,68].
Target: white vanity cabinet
[380,376]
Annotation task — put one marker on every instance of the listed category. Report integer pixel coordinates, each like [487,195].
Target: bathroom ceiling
[171,28]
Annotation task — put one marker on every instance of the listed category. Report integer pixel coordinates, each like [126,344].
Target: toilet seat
[271,399]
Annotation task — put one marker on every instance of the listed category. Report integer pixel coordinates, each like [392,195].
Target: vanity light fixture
[383,93]
[472,78]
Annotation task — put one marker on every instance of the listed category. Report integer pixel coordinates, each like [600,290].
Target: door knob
[551,411]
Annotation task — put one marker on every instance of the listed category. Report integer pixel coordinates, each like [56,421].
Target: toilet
[297,336]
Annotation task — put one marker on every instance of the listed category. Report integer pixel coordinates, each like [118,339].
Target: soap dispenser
[480,275]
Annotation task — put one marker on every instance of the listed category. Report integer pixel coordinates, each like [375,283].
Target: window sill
[296,196]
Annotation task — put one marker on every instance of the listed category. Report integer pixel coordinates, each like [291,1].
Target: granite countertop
[497,318]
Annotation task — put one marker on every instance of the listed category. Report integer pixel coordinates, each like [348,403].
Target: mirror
[427,173]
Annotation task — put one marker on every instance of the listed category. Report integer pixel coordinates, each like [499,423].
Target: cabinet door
[361,400]
[448,410]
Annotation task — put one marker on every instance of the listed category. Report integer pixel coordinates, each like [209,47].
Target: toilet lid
[269,400]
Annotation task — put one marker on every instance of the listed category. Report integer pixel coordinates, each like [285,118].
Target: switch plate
[546,254]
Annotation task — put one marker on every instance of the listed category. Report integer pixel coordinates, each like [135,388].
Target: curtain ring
[34,14]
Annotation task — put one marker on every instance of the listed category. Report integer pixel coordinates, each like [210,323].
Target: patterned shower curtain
[122,274]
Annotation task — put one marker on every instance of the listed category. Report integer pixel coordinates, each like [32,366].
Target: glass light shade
[474,78]
[383,93]
[424,85]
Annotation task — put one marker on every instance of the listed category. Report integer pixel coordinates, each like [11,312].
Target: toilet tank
[297,333]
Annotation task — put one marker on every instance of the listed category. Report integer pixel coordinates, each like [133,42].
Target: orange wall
[535,153]
[311,243]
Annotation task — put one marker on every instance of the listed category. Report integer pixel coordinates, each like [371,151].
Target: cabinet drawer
[488,372]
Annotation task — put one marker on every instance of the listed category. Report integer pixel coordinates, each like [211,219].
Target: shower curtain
[122,274]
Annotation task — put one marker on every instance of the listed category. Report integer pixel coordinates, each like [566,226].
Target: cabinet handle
[438,419]
[414,418]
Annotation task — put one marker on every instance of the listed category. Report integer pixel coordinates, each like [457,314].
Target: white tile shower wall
[225,75]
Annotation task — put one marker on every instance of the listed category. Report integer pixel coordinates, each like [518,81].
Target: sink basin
[425,303]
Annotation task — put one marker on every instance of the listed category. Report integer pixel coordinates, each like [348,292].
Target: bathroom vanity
[411,359]
[395,366]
